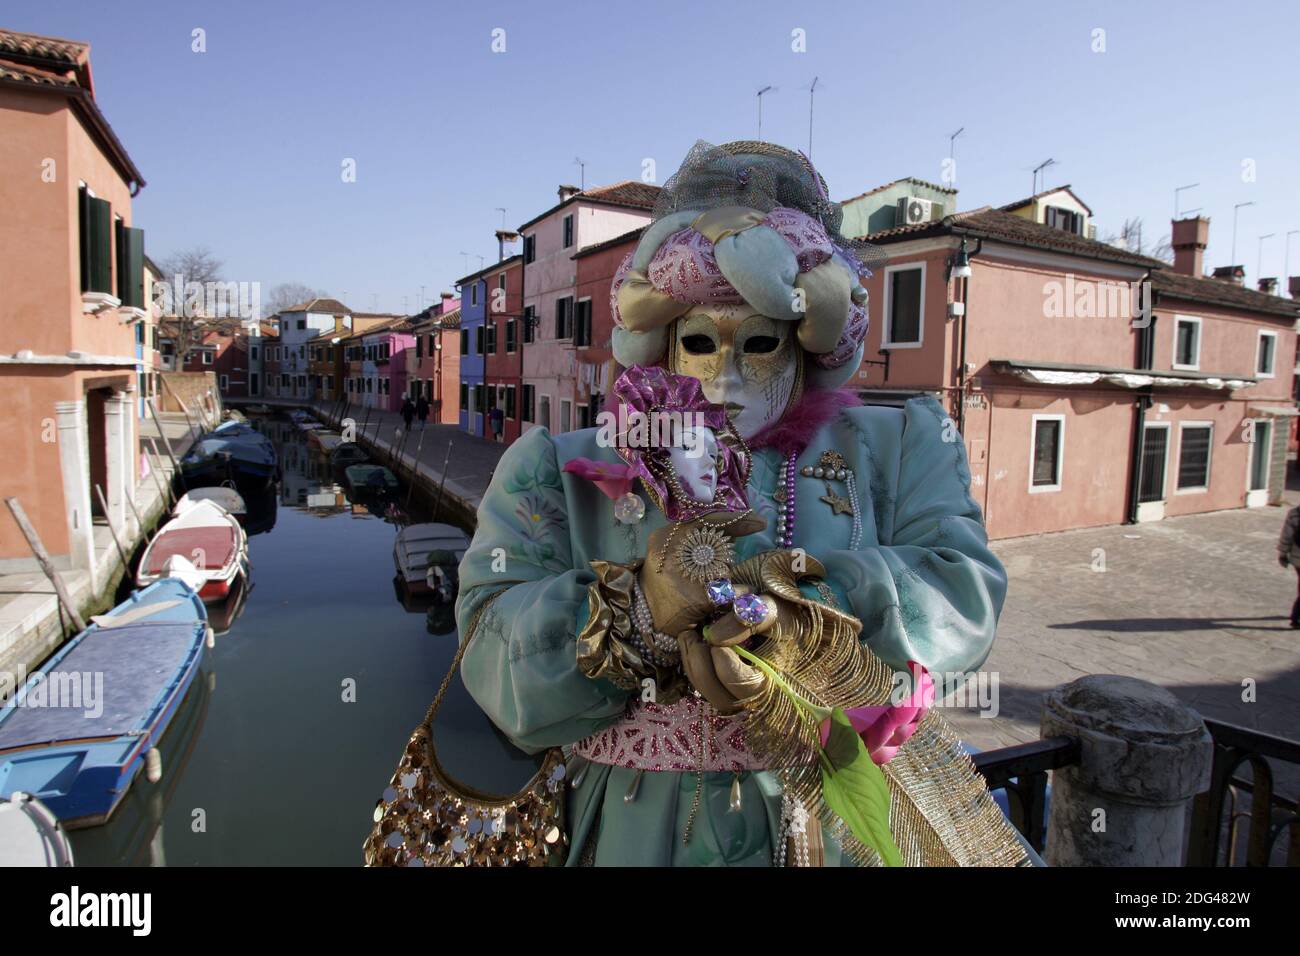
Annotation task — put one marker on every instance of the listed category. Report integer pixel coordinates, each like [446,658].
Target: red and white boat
[204,546]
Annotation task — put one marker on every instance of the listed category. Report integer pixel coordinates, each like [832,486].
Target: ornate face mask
[697,466]
[746,362]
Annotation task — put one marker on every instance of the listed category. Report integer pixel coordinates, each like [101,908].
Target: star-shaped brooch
[839,505]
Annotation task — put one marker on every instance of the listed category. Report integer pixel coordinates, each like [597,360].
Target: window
[564,317]
[530,322]
[492,339]
[130,265]
[512,337]
[464,341]
[473,294]
[904,305]
[529,409]
[1265,354]
[1187,342]
[223,382]
[566,415]
[584,416]
[96,219]
[419,346]
[254,386]
[1045,453]
[478,340]
[530,248]
[1066,220]
[480,396]
[207,358]
[501,281]
[510,401]
[582,323]
[302,325]
[1194,441]
[568,230]
[1155,448]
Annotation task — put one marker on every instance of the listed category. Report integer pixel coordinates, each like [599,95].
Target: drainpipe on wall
[1146,349]
[961,363]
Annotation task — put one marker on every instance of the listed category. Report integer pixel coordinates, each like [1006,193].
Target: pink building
[378,362]
[557,320]
[1077,407]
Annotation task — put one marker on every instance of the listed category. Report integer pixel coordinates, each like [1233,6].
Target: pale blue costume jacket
[922,581]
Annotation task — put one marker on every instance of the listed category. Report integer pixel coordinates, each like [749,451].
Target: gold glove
[676,570]
[718,673]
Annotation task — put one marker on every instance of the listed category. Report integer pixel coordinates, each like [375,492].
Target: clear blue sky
[242,145]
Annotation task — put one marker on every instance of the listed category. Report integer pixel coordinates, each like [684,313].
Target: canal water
[270,759]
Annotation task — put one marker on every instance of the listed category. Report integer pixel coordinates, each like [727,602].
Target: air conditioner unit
[912,211]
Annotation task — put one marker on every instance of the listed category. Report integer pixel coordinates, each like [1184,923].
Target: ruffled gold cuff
[605,645]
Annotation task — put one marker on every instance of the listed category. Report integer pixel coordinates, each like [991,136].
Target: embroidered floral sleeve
[930,590]
[521,665]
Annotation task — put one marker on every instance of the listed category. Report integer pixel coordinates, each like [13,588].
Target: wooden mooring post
[43,559]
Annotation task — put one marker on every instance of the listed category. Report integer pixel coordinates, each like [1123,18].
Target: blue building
[473,310]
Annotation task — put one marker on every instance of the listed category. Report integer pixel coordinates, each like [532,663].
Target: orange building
[74,304]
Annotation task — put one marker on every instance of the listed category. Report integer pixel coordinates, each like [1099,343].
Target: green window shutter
[83,224]
[100,272]
[130,267]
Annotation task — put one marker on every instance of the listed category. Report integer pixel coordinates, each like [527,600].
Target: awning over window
[1057,373]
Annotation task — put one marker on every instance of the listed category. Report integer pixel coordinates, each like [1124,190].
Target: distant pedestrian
[498,423]
[422,410]
[408,411]
[1288,555]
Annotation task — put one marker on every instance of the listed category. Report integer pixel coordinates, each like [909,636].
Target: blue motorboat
[79,729]
[234,452]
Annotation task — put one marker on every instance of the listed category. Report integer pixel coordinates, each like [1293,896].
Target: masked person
[742,282]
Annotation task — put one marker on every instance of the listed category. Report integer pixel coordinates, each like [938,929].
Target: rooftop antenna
[812,91]
[1040,168]
[951,151]
[1177,214]
[583,167]
[502,210]
[1259,262]
[421,297]
[374,301]
[766,89]
[1235,210]
[466,262]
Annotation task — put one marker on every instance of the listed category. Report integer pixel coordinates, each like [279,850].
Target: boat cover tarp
[137,662]
[217,544]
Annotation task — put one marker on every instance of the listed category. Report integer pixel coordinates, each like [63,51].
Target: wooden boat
[30,835]
[205,547]
[259,409]
[422,549]
[348,453]
[225,497]
[371,479]
[324,439]
[233,452]
[136,662]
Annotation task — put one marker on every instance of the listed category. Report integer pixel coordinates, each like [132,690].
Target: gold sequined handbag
[425,818]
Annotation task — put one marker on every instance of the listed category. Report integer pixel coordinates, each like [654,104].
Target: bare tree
[287,294]
[1130,238]
[185,318]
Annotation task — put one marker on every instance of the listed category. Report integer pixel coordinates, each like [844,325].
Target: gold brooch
[705,554]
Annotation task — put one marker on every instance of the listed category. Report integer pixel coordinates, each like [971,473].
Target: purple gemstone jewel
[751,609]
[720,592]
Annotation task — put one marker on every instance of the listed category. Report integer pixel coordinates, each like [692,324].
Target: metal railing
[1254,825]
[1022,772]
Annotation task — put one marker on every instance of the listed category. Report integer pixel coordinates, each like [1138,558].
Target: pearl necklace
[785,515]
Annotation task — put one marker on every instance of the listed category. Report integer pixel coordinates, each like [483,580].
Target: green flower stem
[810,712]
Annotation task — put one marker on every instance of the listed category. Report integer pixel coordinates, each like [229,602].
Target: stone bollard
[1143,756]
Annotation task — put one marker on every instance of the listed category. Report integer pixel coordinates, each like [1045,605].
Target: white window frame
[566,416]
[473,294]
[569,224]
[1173,359]
[1169,441]
[1272,372]
[1272,424]
[1060,453]
[885,341]
[223,382]
[207,357]
[1209,459]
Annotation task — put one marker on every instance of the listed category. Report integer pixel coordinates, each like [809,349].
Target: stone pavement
[1196,604]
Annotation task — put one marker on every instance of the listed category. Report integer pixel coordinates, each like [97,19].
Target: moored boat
[78,730]
[324,439]
[348,453]
[371,479]
[427,555]
[30,834]
[233,452]
[204,546]
[223,496]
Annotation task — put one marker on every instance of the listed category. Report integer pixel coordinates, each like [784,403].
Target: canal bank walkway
[32,624]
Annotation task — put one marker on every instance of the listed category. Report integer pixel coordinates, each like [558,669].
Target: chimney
[504,236]
[1189,239]
[1268,286]
[1293,285]
[1234,274]
[567,191]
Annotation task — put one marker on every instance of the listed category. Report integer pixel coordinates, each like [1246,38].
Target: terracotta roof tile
[1175,285]
[905,179]
[72,52]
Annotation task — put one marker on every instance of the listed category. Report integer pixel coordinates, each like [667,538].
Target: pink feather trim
[613,478]
[795,429]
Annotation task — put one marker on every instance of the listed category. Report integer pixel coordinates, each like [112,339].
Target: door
[1155,464]
[1261,454]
